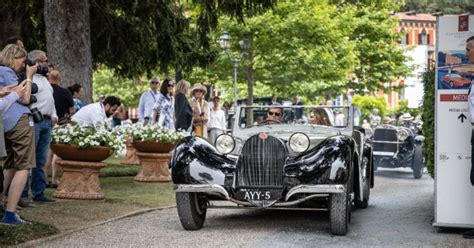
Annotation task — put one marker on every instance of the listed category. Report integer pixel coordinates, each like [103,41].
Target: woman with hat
[200,107]
[164,105]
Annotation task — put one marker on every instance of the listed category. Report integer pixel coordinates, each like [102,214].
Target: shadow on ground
[402,173]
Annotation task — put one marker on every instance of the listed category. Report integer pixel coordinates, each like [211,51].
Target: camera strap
[153,95]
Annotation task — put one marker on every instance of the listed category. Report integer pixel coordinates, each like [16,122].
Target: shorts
[20,144]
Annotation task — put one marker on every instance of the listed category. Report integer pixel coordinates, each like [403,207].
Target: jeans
[472,157]
[42,141]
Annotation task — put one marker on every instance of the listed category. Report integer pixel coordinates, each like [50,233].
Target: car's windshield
[294,115]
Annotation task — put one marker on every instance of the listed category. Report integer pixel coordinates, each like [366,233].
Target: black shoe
[43,199]
[468,234]
[25,203]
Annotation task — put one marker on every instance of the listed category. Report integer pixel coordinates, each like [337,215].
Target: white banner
[455,72]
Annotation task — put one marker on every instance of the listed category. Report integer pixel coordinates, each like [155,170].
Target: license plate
[259,195]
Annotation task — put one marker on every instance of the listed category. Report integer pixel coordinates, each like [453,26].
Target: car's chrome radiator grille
[261,162]
[382,135]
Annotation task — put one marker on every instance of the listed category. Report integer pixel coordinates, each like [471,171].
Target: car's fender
[327,163]
[196,161]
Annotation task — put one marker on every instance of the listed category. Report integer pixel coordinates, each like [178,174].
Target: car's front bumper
[218,190]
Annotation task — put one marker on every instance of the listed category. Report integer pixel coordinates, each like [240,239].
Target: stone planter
[72,152]
[130,155]
[154,147]
[154,167]
[81,167]
[154,158]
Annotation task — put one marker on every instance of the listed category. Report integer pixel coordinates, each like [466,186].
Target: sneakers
[43,199]
[15,220]
[25,203]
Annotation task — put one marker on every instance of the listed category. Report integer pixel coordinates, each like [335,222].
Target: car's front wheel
[191,209]
[418,164]
[339,212]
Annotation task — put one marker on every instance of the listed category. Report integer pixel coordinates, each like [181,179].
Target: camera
[36,114]
[43,70]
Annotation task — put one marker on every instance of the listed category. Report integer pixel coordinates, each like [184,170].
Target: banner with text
[455,73]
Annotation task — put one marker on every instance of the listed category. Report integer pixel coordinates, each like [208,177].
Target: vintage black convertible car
[309,157]
[398,146]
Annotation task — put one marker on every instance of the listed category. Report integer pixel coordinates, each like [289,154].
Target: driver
[274,114]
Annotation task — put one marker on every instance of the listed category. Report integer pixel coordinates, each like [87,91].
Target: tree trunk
[68,40]
[10,25]
[250,74]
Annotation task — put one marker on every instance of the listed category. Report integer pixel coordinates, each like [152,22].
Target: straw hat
[406,117]
[199,86]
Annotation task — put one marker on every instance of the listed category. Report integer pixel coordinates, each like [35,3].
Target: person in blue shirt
[18,130]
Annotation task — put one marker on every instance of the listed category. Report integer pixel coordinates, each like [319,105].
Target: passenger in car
[319,117]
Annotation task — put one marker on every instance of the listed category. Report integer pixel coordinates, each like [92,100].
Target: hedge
[428,118]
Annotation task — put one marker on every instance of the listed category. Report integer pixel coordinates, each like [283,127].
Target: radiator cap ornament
[263,136]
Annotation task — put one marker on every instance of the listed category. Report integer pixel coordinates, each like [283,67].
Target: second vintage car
[276,158]
[399,146]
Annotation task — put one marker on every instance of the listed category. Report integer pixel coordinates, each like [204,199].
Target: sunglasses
[273,113]
[170,85]
[153,82]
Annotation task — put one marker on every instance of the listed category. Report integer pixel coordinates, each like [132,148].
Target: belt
[46,117]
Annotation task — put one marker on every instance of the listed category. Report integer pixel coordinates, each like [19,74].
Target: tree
[131,37]
[315,59]
[379,57]
[69,42]
[368,103]
[309,48]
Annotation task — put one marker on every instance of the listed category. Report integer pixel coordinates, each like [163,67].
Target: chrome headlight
[225,143]
[299,142]
[402,134]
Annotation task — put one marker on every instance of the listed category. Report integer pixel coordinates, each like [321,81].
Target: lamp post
[224,42]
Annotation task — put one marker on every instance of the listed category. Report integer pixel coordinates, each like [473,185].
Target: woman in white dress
[217,122]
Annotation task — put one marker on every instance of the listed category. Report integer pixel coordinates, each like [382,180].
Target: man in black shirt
[63,100]
[64,104]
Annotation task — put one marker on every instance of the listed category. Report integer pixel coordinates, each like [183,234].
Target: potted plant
[81,148]
[84,143]
[153,144]
[153,139]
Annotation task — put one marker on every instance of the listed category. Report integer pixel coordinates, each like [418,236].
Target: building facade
[419,36]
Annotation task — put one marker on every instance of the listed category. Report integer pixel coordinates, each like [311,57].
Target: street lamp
[224,43]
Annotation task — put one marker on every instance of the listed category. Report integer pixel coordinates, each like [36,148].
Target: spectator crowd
[32,102]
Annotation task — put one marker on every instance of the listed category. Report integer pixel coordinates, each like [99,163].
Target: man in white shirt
[96,114]
[147,100]
[44,116]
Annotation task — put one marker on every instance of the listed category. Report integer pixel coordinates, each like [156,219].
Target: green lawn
[123,195]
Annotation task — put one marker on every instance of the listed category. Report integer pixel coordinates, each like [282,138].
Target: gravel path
[400,214]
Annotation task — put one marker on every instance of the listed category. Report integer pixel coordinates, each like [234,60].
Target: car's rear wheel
[418,164]
[191,209]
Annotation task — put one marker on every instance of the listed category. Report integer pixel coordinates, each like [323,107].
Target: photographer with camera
[96,114]
[44,116]
[18,131]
